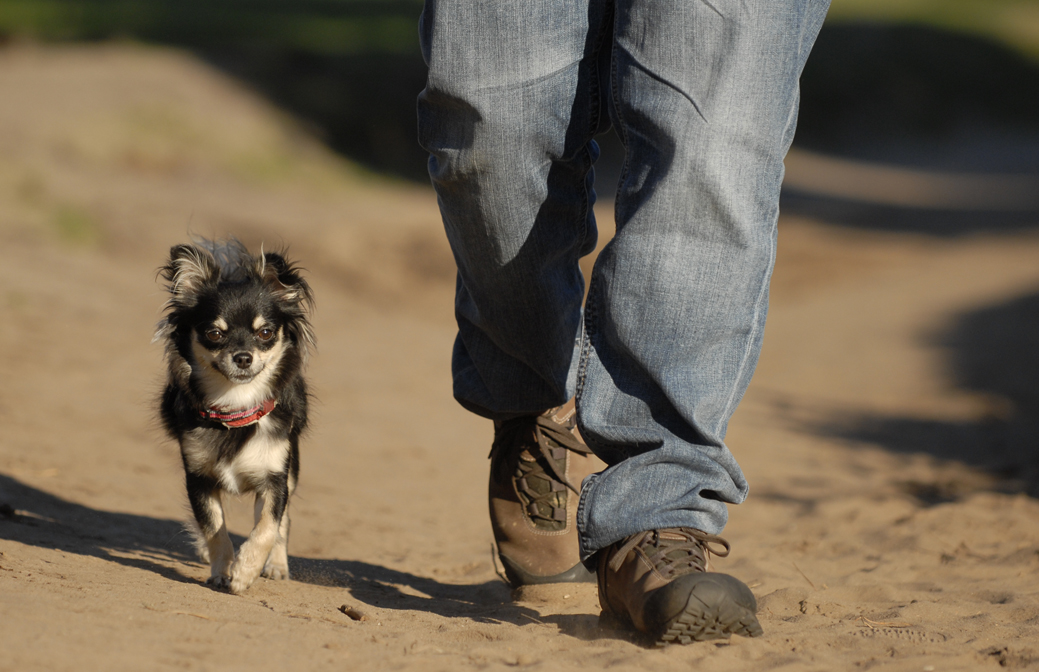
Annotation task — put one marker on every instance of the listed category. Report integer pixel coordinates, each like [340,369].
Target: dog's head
[233,318]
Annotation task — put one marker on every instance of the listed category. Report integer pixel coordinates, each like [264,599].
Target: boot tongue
[673,536]
[561,414]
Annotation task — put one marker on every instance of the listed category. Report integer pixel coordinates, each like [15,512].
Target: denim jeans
[703,94]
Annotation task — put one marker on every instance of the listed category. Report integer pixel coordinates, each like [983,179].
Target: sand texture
[890,435]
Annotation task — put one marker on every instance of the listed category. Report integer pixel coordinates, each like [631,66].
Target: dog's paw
[220,582]
[242,576]
[276,572]
[239,584]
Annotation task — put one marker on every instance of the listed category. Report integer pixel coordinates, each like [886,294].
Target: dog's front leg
[277,565]
[271,502]
[206,504]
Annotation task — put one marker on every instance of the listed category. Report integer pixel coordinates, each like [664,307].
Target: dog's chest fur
[239,460]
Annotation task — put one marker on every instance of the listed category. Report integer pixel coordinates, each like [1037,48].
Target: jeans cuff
[582,520]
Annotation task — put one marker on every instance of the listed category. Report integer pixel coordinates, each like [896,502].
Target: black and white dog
[237,335]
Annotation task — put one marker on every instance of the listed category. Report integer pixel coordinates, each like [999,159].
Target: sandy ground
[889,526]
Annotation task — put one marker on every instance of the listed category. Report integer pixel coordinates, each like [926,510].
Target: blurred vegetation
[349,69]
[75,226]
[918,95]
[389,26]
[1012,22]
[898,80]
[330,27]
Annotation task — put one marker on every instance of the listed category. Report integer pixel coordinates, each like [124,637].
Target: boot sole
[712,611]
[516,576]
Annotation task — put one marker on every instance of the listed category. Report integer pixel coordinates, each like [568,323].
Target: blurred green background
[940,84]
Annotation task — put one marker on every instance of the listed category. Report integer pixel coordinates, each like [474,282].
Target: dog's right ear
[189,271]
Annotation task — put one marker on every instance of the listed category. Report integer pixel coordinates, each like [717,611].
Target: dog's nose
[243,359]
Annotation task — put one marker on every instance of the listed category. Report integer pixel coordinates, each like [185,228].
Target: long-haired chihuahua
[237,335]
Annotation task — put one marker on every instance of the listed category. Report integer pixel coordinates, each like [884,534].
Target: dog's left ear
[285,282]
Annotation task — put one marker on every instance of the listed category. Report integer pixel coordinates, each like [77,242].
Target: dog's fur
[237,335]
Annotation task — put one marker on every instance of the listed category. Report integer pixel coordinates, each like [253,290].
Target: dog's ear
[285,282]
[189,270]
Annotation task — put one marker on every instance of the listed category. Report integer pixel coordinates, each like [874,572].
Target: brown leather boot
[657,583]
[537,465]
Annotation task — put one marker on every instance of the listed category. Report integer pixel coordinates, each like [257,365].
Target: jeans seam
[596,89]
[590,311]
[596,104]
[752,336]
[586,337]
[582,374]
[622,130]
[586,199]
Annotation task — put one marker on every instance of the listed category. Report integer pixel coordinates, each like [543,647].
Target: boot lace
[532,451]
[673,551]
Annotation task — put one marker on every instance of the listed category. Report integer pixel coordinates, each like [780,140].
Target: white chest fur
[265,453]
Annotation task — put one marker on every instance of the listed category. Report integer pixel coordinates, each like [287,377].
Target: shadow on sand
[929,221]
[993,351]
[34,517]
[489,602]
[938,133]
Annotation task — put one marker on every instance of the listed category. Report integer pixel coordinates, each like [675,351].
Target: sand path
[889,523]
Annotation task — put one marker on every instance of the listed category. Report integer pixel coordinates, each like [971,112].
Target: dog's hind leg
[204,496]
[271,504]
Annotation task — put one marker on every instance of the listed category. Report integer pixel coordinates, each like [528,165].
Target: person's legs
[510,107]
[705,100]
[704,96]
[511,104]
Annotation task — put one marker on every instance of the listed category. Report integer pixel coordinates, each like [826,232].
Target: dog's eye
[214,335]
[265,334]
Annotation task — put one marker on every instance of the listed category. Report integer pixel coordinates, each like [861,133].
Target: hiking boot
[657,583]
[537,465]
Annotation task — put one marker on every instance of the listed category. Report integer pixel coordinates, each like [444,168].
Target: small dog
[237,336]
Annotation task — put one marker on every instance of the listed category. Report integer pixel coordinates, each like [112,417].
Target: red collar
[240,418]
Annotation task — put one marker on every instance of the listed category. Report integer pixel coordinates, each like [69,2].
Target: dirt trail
[889,523]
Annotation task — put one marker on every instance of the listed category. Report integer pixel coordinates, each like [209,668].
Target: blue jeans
[704,96]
